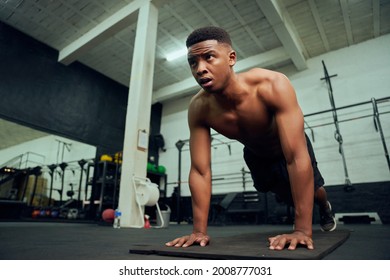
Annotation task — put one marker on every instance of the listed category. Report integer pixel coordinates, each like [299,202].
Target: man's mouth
[205,81]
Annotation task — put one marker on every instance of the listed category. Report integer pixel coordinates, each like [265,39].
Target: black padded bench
[244,205]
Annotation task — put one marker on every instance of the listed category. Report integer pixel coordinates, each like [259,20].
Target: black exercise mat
[249,246]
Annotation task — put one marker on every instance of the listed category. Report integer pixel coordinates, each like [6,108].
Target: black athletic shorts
[272,175]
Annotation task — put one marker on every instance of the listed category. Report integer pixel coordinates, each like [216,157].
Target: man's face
[211,63]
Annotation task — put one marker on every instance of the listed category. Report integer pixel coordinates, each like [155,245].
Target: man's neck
[233,94]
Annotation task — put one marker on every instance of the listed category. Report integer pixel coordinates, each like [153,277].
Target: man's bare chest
[244,124]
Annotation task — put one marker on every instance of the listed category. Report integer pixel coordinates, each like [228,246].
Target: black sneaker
[327,220]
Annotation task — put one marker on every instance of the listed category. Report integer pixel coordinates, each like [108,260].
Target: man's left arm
[289,120]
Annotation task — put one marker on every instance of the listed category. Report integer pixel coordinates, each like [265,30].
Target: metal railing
[23,161]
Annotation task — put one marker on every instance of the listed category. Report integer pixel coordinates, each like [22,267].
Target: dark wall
[72,101]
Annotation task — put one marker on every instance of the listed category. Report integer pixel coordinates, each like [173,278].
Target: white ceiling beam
[284,29]
[175,91]
[108,28]
[320,27]
[347,21]
[204,12]
[376,17]
[183,88]
[251,34]
[178,17]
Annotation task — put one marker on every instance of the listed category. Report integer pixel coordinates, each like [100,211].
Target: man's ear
[232,58]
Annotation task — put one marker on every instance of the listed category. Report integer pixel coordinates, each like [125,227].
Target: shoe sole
[334,220]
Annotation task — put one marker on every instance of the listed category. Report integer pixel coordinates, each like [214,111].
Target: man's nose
[201,69]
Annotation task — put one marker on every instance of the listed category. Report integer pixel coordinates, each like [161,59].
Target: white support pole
[138,112]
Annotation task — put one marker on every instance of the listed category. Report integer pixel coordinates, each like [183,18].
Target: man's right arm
[200,172]
[199,177]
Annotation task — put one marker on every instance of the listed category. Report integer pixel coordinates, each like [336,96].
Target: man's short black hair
[208,33]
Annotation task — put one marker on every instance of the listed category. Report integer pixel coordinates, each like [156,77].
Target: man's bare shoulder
[270,85]
[199,100]
[199,107]
[261,75]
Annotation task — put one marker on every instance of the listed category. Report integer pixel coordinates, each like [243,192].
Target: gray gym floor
[83,241]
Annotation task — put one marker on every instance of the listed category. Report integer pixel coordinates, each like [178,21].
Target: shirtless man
[258,108]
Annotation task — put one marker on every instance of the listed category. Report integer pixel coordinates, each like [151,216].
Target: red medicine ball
[108,215]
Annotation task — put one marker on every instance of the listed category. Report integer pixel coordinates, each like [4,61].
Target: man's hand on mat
[293,239]
[188,240]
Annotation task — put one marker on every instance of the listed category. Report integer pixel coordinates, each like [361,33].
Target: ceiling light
[176,54]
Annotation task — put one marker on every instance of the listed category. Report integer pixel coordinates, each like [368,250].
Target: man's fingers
[309,243]
[273,238]
[176,242]
[188,240]
[275,242]
[171,243]
[181,242]
[293,244]
[203,241]
[280,241]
